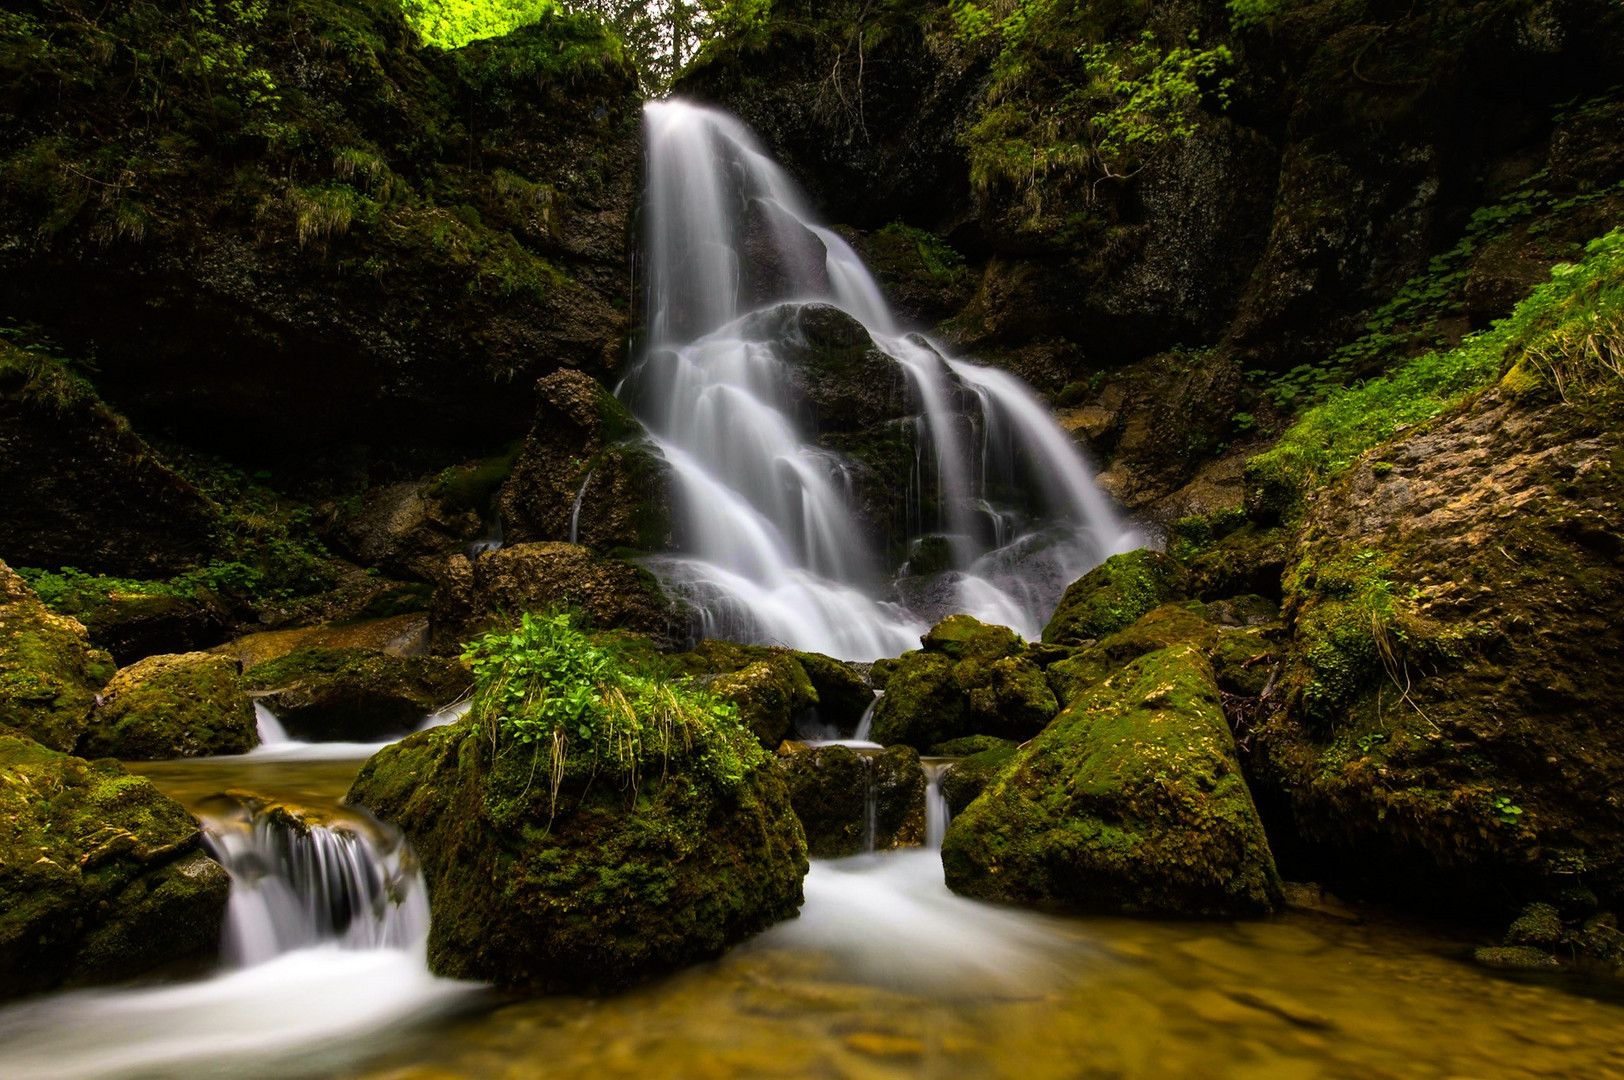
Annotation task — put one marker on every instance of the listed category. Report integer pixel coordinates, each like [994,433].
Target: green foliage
[597,706]
[940,260]
[1507,811]
[1070,100]
[450,24]
[1567,335]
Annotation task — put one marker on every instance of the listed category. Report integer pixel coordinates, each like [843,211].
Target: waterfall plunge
[775,545]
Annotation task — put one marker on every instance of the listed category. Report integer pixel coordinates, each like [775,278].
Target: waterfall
[936,809]
[777,546]
[271,731]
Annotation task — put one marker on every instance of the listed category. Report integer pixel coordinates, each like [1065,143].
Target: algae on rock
[49,673]
[1131,800]
[186,705]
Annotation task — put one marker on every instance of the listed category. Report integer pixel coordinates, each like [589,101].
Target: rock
[826,692]
[968,777]
[899,798]
[587,461]
[772,694]
[99,881]
[185,705]
[355,695]
[1515,958]
[1242,658]
[49,673]
[1446,737]
[1539,925]
[1131,800]
[1114,595]
[82,488]
[132,627]
[396,635]
[475,595]
[602,889]
[828,787]
[412,527]
[970,678]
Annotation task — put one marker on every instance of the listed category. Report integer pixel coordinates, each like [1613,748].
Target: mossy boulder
[771,694]
[964,780]
[102,876]
[132,626]
[1446,733]
[1132,801]
[1114,595]
[808,681]
[475,595]
[183,705]
[970,678]
[49,673]
[355,695]
[828,787]
[610,883]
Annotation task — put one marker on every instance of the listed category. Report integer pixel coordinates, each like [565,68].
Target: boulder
[771,694]
[819,692]
[132,626]
[409,528]
[476,594]
[1447,730]
[1113,595]
[185,705]
[603,884]
[1242,657]
[102,876]
[49,673]
[1132,800]
[970,678]
[355,695]
[899,798]
[587,473]
[828,787]
[964,780]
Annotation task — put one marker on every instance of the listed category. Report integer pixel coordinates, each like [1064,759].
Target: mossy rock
[964,637]
[839,693]
[1113,595]
[610,884]
[1251,559]
[923,702]
[1169,624]
[102,876]
[967,745]
[1009,698]
[1132,800]
[965,779]
[134,627]
[772,694]
[355,695]
[49,673]
[828,787]
[899,798]
[185,705]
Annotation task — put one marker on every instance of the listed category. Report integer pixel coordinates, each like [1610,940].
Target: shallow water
[885,974]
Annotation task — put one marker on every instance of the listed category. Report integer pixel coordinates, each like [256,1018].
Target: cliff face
[1326,155]
[289,235]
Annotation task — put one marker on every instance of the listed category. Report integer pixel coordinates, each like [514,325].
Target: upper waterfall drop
[840,483]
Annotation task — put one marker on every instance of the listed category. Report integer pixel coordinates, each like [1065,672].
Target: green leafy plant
[1507,811]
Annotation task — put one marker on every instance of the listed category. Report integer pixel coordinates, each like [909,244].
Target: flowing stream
[778,544]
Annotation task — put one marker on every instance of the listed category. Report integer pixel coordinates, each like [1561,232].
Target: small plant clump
[597,707]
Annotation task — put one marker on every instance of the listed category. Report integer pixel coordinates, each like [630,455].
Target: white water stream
[775,546]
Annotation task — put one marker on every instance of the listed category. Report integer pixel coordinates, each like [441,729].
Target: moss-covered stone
[838,692]
[185,705]
[967,778]
[355,695]
[771,694]
[615,883]
[1132,800]
[101,875]
[967,745]
[1113,595]
[899,798]
[923,702]
[49,674]
[1008,697]
[828,787]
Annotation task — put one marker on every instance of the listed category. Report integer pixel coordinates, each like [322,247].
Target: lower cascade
[324,942]
[841,483]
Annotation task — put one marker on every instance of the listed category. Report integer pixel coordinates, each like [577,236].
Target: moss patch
[186,705]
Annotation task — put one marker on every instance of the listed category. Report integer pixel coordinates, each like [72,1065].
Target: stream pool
[885,974]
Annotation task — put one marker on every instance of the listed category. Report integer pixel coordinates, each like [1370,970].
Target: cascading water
[324,949]
[776,544]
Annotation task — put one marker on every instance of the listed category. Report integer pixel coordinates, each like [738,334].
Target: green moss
[49,676]
[828,787]
[769,694]
[966,779]
[923,702]
[162,707]
[355,695]
[1132,800]
[1113,595]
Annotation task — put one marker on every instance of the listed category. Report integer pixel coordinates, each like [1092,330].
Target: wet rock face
[407,529]
[1131,800]
[355,695]
[460,232]
[847,800]
[1456,618]
[103,880]
[185,705]
[49,673]
[600,891]
[587,468]
[83,489]
[476,594]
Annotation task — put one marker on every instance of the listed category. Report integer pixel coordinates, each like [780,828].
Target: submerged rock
[613,884]
[1132,800]
[587,473]
[186,705]
[971,678]
[355,695]
[49,673]
[101,875]
[478,594]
